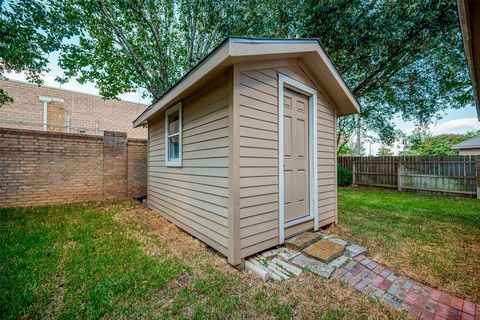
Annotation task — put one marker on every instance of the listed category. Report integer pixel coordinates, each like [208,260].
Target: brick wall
[83,110]
[48,167]
[115,165]
[137,168]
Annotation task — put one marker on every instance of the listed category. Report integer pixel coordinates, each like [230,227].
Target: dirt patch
[171,239]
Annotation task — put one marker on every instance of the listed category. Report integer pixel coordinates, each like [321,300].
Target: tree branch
[396,56]
[141,69]
[161,53]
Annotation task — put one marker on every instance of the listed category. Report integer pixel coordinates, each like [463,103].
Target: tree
[118,45]
[123,45]
[401,58]
[384,151]
[421,144]
[26,38]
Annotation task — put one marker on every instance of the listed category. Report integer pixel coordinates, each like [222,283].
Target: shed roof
[468,144]
[237,50]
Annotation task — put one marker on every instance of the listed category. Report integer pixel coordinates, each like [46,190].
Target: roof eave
[466,147]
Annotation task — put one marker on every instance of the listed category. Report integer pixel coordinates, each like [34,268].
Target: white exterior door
[296,156]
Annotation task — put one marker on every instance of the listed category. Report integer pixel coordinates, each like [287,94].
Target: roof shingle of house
[471,143]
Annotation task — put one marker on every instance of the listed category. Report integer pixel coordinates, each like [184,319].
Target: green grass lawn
[115,260]
[434,239]
[78,257]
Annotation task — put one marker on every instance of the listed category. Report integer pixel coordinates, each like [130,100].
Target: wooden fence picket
[456,175]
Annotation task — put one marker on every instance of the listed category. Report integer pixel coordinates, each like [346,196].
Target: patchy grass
[433,239]
[120,260]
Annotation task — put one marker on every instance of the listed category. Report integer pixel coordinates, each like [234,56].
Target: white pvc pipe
[45,101]
[45,116]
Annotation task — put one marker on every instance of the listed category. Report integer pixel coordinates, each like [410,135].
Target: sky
[453,121]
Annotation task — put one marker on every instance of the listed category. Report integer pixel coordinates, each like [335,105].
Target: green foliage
[27,36]
[344,176]
[345,150]
[4,97]
[408,63]
[384,151]
[421,144]
[118,45]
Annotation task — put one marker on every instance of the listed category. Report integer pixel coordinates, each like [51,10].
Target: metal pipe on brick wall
[69,123]
[45,116]
[45,101]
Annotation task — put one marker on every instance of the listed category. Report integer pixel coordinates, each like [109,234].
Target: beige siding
[258,103]
[468,152]
[195,196]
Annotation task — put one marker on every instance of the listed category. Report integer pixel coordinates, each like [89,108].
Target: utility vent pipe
[69,123]
[45,101]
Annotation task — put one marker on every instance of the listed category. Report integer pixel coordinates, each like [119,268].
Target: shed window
[173,133]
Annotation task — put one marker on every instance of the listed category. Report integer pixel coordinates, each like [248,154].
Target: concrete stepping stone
[314,266]
[338,241]
[302,240]
[324,250]
[354,250]
[287,254]
[289,268]
[338,262]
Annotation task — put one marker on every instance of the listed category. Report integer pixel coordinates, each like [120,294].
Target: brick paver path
[403,293]
[370,278]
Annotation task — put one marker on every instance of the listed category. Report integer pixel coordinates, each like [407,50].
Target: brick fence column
[115,165]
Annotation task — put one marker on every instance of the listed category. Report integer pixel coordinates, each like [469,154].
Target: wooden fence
[456,175]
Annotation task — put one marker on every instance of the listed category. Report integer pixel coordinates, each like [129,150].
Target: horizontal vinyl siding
[326,161]
[258,102]
[195,196]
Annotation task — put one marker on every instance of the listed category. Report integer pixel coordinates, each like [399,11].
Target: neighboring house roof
[469,13]
[469,144]
[237,50]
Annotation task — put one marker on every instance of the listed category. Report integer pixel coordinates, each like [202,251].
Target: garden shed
[242,149]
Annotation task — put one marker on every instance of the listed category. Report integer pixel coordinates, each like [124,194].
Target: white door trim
[284,81]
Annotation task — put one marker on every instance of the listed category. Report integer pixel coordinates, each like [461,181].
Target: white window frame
[176,162]
[311,93]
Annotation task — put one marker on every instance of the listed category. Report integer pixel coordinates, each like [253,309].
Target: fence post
[478,176]
[399,175]
[354,170]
